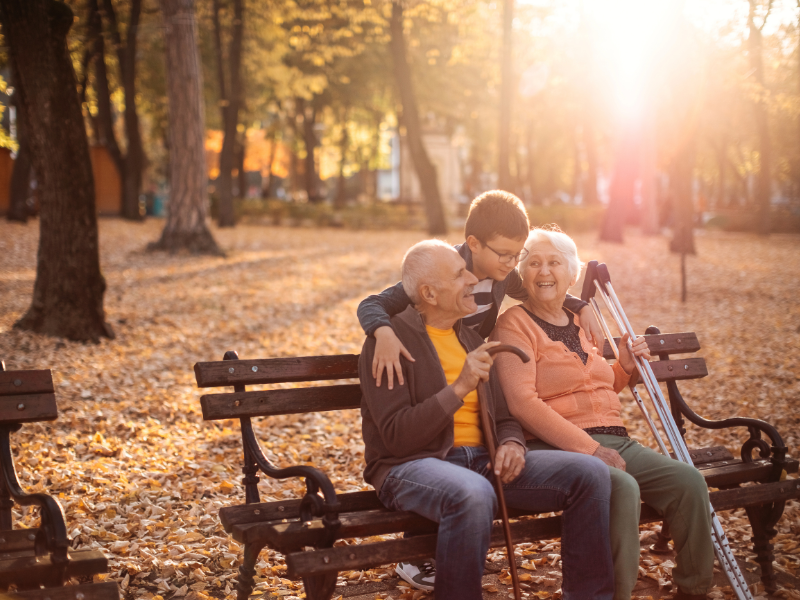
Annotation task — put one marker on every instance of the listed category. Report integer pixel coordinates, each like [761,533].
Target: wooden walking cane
[488,434]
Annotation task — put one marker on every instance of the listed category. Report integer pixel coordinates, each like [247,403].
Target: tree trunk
[310,141]
[68,292]
[105,115]
[134,159]
[188,205]
[763,182]
[340,199]
[229,99]
[266,185]
[590,180]
[241,174]
[506,94]
[682,202]
[649,218]
[621,191]
[426,171]
[20,187]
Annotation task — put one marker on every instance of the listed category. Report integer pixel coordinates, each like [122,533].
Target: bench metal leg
[762,521]
[247,572]
[662,541]
[320,587]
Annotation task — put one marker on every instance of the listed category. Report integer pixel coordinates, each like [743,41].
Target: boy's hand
[510,459]
[476,368]
[591,328]
[388,349]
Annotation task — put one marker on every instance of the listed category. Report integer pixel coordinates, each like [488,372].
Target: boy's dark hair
[497,213]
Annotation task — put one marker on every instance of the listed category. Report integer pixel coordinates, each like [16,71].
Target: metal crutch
[598,275]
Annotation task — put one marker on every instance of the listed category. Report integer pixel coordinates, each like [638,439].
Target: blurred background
[596,113]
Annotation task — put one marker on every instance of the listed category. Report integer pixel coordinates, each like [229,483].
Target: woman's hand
[510,459]
[591,328]
[610,457]
[388,349]
[626,354]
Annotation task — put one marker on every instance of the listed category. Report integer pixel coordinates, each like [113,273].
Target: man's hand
[510,459]
[591,328]
[476,368]
[388,349]
[638,347]
[610,457]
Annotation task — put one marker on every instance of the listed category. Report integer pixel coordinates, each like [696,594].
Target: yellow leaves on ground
[142,477]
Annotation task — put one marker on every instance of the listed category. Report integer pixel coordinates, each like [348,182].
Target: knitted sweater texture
[555,396]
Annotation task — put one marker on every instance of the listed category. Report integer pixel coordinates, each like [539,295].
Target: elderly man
[425,449]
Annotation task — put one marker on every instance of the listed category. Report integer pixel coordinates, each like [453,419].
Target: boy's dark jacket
[415,420]
[376,310]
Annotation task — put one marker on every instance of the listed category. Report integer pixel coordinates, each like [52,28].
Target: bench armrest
[51,537]
[775,453]
[313,505]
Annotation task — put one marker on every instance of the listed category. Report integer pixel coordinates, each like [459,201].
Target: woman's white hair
[419,266]
[563,244]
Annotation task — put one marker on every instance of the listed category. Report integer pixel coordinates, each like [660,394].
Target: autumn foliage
[142,477]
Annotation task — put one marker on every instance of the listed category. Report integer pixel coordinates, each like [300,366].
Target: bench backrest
[240,373]
[26,397]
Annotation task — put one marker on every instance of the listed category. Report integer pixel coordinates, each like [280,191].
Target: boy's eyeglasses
[509,259]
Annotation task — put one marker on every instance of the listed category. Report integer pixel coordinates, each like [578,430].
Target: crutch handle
[588,281]
[603,274]
[508,348]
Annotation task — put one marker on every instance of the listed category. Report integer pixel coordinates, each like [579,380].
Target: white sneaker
[419,574]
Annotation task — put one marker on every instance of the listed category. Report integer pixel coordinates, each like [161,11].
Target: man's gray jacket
[415,420]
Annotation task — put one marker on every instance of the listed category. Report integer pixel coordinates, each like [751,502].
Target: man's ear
[428,294]
[473,243]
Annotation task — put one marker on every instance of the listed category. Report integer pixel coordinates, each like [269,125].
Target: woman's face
[546,276]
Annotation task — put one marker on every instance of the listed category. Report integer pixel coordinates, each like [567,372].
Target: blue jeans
[457,493]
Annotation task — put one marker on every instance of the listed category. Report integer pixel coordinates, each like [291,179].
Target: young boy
[496,229]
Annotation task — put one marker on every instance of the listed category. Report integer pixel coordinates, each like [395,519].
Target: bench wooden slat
[702,456]
[30,569]
[363,556]
[14,383]
[290,509]
[285,537]
[276,370]
[15,540]
[368,500]
[106,590]
[234,405]
[739,472]
[674,343]
[679,368]
[28,408]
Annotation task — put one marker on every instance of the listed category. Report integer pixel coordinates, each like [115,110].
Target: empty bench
[38,562]
[305,529]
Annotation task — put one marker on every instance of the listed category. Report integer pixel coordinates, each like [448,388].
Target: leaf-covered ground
[142,476]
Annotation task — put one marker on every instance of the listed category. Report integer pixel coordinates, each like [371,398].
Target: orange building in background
[107,181]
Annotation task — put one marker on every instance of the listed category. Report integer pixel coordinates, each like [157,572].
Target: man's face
[495,258]
[453,290]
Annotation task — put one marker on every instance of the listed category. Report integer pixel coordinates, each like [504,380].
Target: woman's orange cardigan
[555,396]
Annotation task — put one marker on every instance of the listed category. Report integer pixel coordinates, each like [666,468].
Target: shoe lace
[427,568]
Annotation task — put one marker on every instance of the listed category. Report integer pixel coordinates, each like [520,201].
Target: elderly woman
[566,398]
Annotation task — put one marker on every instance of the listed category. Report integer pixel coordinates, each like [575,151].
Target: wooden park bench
[305,529]
[38,562]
